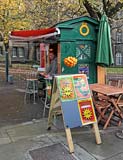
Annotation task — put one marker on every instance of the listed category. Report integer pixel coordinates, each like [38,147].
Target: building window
[14,52]
[18,52]
[119,59]
[119,36]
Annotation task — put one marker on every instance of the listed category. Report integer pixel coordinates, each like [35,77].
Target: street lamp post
[6,61]
[6,65]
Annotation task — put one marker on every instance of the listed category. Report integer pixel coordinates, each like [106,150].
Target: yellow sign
[84,29]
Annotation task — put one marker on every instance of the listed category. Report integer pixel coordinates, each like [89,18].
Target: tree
[46,13]
[12,17]
[109,7]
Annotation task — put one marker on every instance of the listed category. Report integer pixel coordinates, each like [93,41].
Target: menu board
[71,97]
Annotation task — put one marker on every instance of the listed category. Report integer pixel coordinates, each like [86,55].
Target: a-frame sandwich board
[71,97]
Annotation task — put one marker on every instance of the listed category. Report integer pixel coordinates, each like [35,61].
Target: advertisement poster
[42,55]
[86,110]
[83,69]
[66,88]
[81,86]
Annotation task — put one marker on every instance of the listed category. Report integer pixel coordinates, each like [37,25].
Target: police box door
[85,52]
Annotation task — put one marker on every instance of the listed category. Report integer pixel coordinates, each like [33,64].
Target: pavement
[24,134]
[32,141]
[13,109]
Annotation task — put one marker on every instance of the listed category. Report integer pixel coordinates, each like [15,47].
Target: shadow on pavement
[12,107]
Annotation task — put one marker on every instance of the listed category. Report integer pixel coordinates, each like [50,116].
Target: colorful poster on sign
[66,88]
[81,86]
[83,69]
[87,112]
[42,55]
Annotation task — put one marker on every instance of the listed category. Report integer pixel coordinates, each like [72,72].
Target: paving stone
[117,157]
[4,138]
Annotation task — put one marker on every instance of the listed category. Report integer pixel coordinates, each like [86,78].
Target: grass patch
[23,66]
[115,70]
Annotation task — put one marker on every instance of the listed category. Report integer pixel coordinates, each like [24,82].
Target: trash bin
[10,79]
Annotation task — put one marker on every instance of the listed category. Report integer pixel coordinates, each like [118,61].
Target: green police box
[77,38]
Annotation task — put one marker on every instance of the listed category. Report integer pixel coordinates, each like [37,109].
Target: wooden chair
[121,83]
[106,115]
[102,108]
[120,99]
[114,82]
[120,102]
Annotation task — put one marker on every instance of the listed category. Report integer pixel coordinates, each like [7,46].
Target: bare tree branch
[90,9]
[115,9]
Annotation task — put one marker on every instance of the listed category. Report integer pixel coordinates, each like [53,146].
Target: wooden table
[106,89]
[112,94]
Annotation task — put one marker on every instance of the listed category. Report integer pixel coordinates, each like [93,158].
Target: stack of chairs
[114,82]
[117,83]
[120,99]
[103,106]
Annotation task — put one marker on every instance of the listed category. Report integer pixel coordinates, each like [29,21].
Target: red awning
[33,34]
[28,33]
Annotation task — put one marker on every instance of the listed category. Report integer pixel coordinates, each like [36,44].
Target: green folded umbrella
[104,56]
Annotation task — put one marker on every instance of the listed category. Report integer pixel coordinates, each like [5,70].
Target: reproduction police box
[76,47]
